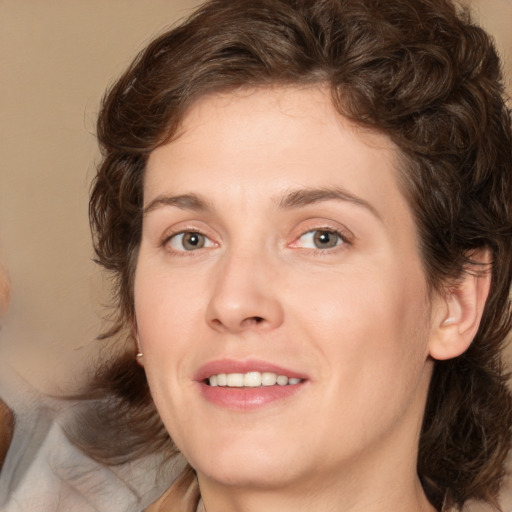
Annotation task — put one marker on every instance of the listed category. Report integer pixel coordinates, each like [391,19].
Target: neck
[354,493]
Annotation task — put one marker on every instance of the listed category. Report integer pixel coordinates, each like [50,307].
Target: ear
[457,319]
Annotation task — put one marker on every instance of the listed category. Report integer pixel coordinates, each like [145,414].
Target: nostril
[252,321]
[248,321]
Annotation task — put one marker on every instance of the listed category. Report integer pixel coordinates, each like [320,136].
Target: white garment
[44,472]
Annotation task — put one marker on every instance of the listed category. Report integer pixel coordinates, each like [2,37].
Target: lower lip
[247,399]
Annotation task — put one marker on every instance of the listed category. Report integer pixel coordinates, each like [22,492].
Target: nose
[245,296]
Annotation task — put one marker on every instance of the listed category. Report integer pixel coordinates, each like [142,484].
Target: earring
[139,355]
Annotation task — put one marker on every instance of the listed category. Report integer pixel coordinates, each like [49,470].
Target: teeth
[235,380]
[282,380]
[268,379]
[251,380]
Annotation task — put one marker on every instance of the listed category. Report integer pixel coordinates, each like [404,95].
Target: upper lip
[251,365]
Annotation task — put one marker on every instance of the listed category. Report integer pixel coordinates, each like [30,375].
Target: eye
[321,239]
[189,241]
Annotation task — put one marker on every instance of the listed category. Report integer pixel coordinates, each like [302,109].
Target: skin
[6,430]
[6,417]
[356,319]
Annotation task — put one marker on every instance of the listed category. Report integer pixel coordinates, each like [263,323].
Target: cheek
[164,324]
[170,316]
[156,326]
[367,325]
[367,299]
[165,306]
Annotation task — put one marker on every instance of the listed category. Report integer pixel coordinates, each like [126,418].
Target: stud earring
[139,355]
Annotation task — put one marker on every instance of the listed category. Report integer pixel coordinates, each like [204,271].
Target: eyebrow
[183,202]
[294,199]
[307,196]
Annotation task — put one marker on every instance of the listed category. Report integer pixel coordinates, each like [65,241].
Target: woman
[306,207]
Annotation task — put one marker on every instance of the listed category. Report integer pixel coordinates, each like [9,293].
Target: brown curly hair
[417,70]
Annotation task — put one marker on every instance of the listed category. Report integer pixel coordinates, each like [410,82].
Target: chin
[246,466]
[266,476]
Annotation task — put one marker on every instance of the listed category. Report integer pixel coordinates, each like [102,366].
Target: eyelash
[167,239]
[342,236]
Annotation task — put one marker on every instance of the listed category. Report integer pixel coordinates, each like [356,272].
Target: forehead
[257,111]
[257,144]
[267,133]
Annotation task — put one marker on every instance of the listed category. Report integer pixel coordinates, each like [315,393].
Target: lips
[246,385]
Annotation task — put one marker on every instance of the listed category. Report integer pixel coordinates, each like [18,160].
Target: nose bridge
[244,294]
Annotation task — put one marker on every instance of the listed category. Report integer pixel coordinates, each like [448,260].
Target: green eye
[320,239]
[189,241]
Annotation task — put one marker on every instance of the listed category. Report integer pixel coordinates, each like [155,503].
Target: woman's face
[276,244]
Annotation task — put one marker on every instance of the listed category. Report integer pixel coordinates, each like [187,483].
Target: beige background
[56,58]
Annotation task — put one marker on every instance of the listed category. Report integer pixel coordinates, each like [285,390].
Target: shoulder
[182,496]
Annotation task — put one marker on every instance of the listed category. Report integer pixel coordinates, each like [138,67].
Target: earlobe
[461,310]
[135,335]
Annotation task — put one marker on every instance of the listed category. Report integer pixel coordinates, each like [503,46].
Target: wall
[56,59]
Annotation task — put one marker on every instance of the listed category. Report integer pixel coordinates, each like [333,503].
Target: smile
[251,380]
[248,385]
